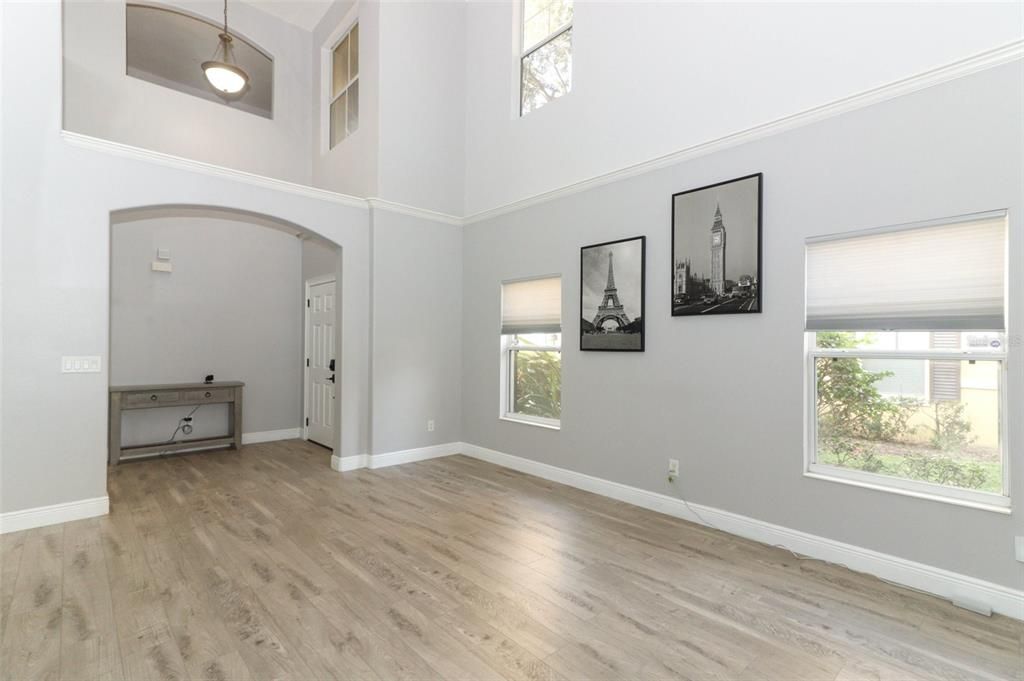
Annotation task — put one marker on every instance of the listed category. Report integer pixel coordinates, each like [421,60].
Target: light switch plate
[1019,545]
[162,266]
[163,254]
[87,364]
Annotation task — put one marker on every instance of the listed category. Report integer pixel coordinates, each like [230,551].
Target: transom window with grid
[906,358]
[344,94]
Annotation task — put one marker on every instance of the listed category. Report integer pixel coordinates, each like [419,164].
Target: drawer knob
[152,398]
[209,394]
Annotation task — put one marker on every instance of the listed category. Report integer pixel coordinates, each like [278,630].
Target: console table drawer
[151,398]
[211,395]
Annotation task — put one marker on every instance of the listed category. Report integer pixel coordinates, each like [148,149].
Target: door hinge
[307,302]
[307,361]
[307,420]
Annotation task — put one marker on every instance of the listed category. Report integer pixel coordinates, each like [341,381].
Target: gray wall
[228,308]
[318,260]
[725,394]
[417,322]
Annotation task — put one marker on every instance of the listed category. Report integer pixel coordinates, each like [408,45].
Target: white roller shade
[532,306]
[948,274]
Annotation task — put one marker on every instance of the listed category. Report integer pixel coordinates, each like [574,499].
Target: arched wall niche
[166,45]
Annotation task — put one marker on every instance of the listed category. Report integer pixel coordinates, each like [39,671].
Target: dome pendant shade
[224,75]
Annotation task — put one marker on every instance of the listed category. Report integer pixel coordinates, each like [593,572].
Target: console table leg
[114,434]
[236,420]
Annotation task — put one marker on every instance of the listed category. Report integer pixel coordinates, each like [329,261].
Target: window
[546,52]
[344,116]
[531,351]
[906,359]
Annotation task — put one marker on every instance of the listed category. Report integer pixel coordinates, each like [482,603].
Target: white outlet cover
[80,364]
[1019,546]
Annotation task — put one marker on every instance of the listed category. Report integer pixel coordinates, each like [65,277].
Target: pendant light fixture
[225,75]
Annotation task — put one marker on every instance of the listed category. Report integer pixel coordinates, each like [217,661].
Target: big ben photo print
[716,248]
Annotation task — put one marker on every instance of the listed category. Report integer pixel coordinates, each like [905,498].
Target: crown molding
[179,163]
[979,62]
[413,211]
[964,67]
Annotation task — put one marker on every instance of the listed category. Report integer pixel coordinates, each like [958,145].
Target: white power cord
[704,521]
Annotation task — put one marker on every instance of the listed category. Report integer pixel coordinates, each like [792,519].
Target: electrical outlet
[673,467]
[430,426]
[1019,546]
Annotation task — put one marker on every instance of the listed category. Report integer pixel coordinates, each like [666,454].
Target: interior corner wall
[417,332]
[351,167]
[725,394]
[422,104]
[100,100]
[228,308]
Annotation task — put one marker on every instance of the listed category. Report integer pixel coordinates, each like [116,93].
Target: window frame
[507,402]
[525,51]
[327,72]
[926,490]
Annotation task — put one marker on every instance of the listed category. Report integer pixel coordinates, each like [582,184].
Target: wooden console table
[126,397]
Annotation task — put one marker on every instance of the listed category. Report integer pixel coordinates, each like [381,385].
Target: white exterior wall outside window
[343,88]
[531,351]
[906,359]
[545,57]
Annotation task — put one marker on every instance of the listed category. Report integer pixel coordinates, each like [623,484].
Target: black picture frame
[693,293]
[630,332]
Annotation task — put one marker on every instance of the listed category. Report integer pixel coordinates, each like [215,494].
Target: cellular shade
[948,274]
[532,306]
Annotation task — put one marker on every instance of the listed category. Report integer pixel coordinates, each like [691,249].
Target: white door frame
[314,281]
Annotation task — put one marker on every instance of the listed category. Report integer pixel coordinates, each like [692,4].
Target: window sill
[527,421]
[893,489]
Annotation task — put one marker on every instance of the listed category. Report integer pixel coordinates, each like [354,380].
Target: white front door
[320,362]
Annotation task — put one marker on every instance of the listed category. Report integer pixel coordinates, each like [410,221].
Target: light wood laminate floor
[266,564]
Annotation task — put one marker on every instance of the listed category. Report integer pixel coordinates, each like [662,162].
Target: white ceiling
[305,14]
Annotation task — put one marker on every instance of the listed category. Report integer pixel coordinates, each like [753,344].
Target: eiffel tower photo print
[612,295]
[716,248]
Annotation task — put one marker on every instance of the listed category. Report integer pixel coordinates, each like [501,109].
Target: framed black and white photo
[716,248]
[612,295]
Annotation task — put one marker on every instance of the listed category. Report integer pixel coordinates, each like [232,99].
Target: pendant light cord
[225,17]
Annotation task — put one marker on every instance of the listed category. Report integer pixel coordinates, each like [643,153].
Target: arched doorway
[197,291]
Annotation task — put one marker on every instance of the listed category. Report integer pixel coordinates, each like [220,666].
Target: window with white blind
[344,87]
[545,59]
[531,351]
[906,359]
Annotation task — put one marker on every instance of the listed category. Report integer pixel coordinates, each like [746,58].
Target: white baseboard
[15,521]
[945,584]
[351,463]
[271,435]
